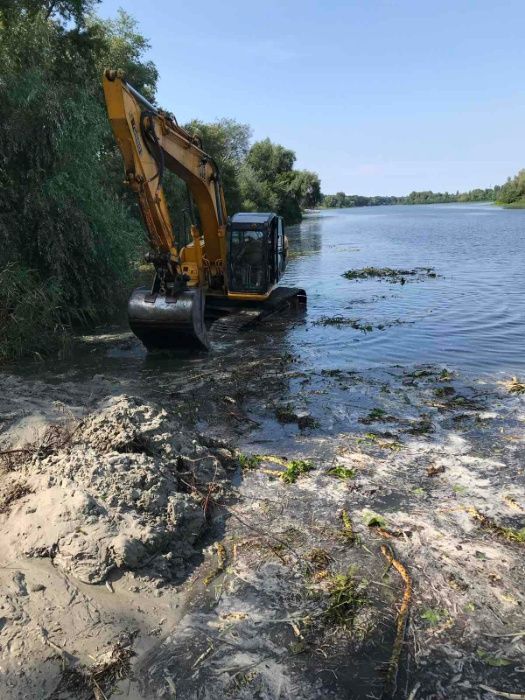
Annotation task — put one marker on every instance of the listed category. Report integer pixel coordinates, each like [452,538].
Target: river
[470,317]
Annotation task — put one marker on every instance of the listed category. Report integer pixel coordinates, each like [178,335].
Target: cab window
[248,267]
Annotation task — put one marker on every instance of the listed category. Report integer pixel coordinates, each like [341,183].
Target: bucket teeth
[162,321]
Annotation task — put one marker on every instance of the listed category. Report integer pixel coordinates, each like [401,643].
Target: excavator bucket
[162,321]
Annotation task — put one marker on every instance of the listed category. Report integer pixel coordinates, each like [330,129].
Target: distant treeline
[512,193]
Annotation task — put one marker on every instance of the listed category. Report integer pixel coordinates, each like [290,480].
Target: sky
[377,97]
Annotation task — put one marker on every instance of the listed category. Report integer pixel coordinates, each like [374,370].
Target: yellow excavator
[229,265]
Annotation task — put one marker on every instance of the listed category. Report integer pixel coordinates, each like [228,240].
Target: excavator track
[240,316]
[228,327]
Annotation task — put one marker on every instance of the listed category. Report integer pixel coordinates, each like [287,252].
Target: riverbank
[520,204]
[308,483]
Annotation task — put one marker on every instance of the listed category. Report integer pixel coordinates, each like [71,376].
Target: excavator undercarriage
[226,276]
[191,320]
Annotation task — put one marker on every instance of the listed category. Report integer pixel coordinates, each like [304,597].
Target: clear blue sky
[377,97]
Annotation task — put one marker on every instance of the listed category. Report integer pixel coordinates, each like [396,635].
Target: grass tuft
[249,461]
[346,597]
[295,469]
[342,473]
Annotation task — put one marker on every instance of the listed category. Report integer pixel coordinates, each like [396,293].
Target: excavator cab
[256,252]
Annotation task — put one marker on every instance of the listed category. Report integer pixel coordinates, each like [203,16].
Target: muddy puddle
[308,512]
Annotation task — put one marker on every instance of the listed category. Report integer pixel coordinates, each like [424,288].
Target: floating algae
[395,276]
[357,324]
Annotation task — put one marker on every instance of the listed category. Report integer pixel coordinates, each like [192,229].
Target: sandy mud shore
[262,530]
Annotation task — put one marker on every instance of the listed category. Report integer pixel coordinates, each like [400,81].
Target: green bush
[68,239]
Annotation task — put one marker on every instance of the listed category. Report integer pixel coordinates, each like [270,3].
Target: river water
[470,317]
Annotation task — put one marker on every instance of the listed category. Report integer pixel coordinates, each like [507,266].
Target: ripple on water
[471,317]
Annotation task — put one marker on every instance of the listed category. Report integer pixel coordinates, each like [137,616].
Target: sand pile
[125,488]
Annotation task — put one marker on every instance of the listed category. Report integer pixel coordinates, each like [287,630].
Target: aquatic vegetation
[493,660]
[356,323]
[389,274]
[341,472]
[377,415]
[421,373]
[348,528]
[347,595]
[443,391]
[339,321]
[249,461]
[373,519]
[289,414]
[511,534]
[380,441]
[515,386]
[306,421]
[433,616]
[294,469]
[421,427]
[332,372]
[286,414]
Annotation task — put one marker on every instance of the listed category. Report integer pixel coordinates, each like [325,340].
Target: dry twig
[402,617]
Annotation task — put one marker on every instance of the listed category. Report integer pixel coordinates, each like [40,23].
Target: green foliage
[64,227]
[340,321]
[341,472]
[377,414]
[60,10]
[227,141]
[347,595]
[374,519]
[255,178]
[389,274]
[29,313]
[268,182]
[295,468]
[117,42]
[512,193]
[496,661]
[433,616]
[249,461]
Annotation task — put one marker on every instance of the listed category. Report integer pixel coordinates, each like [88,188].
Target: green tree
[268,182]
[513,191]
[228,142]
[308,188]
[67,236]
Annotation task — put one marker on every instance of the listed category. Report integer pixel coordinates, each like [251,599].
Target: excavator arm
[151,141]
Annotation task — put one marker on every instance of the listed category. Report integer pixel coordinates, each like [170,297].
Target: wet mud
[305,493]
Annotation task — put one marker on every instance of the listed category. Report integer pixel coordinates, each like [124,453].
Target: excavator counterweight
[229,265]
